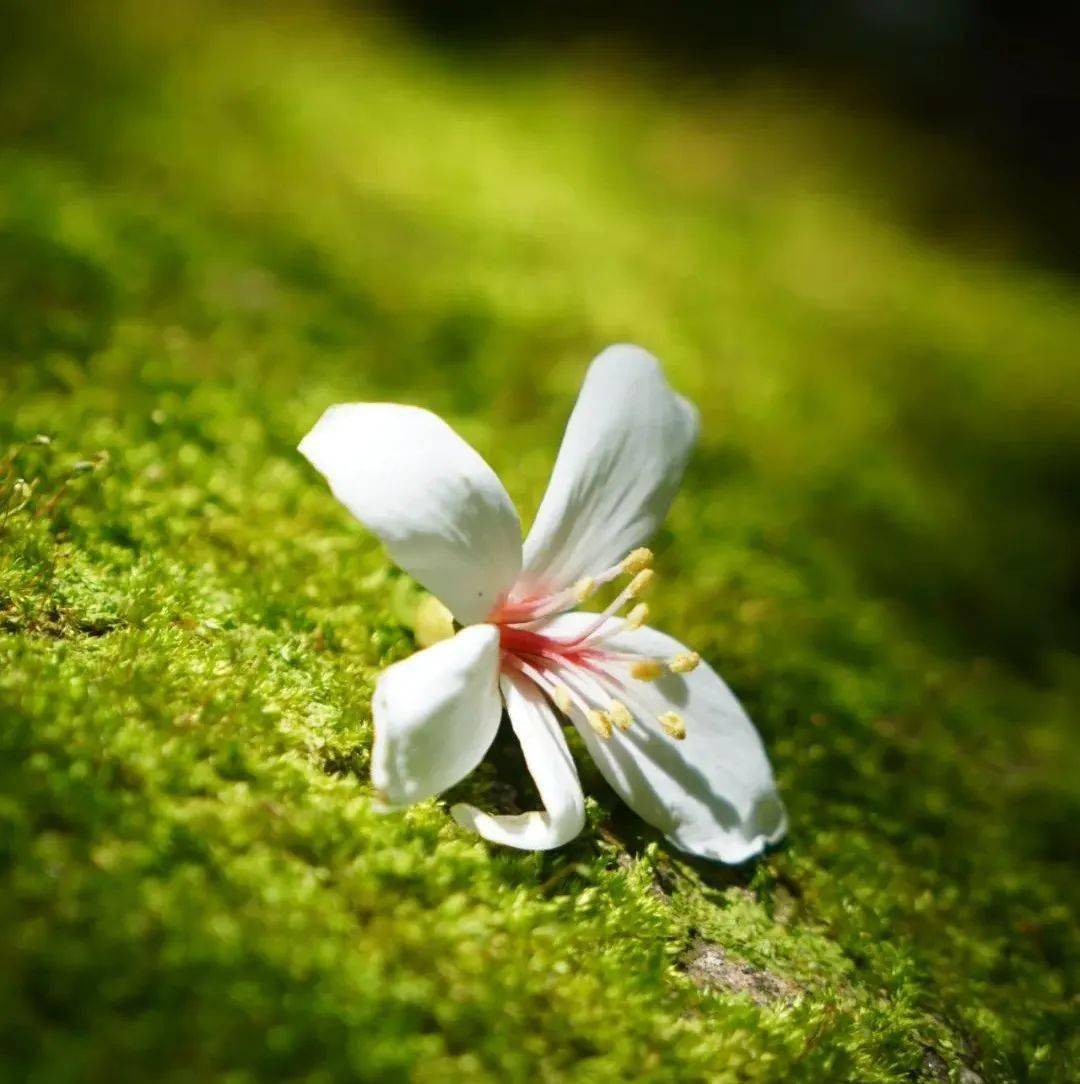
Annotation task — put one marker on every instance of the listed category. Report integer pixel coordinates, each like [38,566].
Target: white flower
[663,728]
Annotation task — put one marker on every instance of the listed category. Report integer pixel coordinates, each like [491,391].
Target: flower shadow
[502,784]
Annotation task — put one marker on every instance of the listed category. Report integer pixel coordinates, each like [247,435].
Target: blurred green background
[216,219]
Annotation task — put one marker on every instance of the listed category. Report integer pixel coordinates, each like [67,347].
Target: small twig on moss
[82,466]
[560,875]
[609,837]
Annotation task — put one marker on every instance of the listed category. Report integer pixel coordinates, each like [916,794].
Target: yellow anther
[584,588]
[562,699]
[636,560]
[619,714]
[673,725]
[640,582]
[646,669]
[684,662]
[600,721]
[637,616]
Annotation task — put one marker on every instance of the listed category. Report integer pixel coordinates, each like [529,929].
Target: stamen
[577,697]
[562,699]
[530,671]
[684,662]
[646,670]
[637,616]
[673,725]
[632,589]
[625,692]
[584,588]
[640,582]
[600,721]
[636,560]
[533,609]
[620,715]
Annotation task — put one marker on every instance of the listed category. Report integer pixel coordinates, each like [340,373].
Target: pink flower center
[584,673]
[521,645]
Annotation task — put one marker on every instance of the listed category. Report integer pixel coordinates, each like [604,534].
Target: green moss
[246,216]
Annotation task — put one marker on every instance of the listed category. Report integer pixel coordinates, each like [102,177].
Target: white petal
[440,510]
[552,769]
[436,714]
[712,794]
[619,467]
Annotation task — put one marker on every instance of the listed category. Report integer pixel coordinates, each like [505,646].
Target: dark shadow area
[502,785]
[998,80]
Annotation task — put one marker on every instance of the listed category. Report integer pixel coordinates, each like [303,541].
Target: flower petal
[712,793]
[440,510]
[436,714]
[619,467]
[552,769]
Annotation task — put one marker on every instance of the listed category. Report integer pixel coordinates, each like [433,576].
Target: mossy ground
[216,220]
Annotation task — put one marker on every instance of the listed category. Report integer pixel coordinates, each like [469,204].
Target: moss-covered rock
[213,222]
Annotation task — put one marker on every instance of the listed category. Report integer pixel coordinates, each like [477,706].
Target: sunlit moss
[253,214]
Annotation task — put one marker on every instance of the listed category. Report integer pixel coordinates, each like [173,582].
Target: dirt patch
[711,968]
